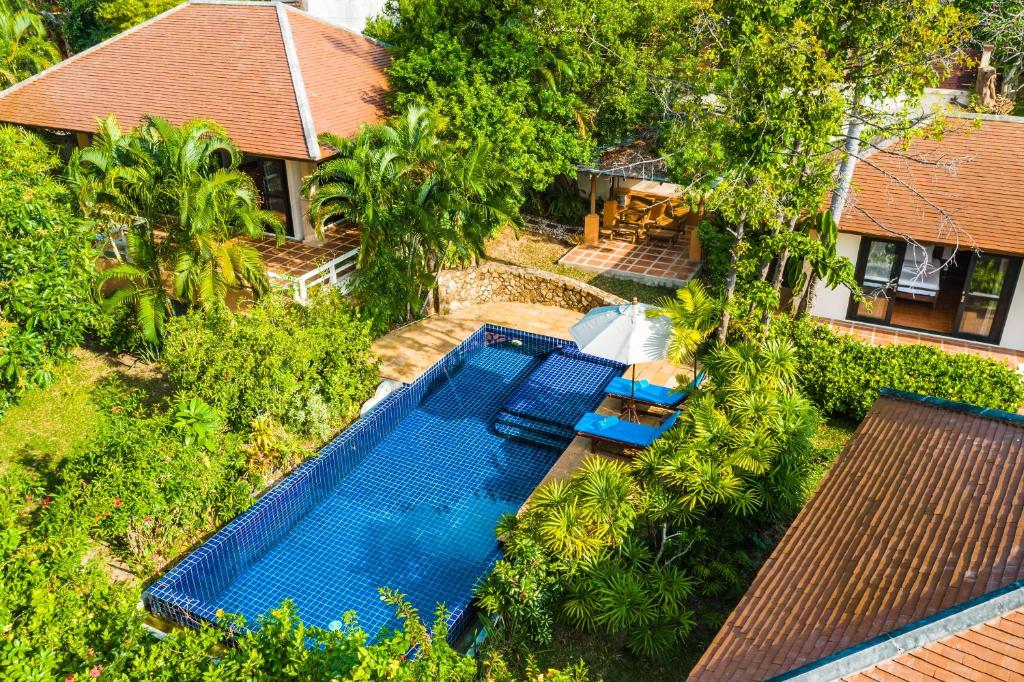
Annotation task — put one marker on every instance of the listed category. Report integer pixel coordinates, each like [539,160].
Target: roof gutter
[913,636]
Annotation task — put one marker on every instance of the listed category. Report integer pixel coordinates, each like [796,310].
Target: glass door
[272,183]
[986,296]
[877,272]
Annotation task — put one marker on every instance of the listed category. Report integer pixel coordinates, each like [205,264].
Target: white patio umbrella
[623,333]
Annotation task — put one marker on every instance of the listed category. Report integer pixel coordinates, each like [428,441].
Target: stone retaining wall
[496,282]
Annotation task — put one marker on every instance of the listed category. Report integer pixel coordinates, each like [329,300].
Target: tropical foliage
[304,367]
[183,204]
[420,204]
[542,79]
[46,266]
[25,48]
[843,375]
[62,618]
[769,99]
[630,549]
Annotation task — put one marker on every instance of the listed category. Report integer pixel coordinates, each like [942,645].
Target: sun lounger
[611,429]
[646,393]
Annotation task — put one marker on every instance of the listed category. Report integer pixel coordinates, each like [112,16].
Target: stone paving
[644,262]
[407,352]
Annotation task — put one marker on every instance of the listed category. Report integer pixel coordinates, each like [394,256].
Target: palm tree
[24,46]
[421,203]
[187,207]
[693,314]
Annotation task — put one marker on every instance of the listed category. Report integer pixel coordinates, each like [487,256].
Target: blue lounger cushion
[612,428]
[652,394]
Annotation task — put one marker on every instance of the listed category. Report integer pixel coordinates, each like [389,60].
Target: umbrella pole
[631,413]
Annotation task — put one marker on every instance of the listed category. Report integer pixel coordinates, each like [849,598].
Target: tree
[186,207]
[420,203]
[46,265]
[1001,24]
[759,118]
[542,80]
[24,46]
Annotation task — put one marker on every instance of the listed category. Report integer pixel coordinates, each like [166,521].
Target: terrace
[300,267]
[644,230]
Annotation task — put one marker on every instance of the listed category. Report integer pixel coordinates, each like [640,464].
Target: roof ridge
[298,84]
[78,55]
[956,406]
[321,20]
[912,636]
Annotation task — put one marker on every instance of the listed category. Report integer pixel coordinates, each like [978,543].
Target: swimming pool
[406,498]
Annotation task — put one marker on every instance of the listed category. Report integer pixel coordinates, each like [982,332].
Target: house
[907,563]
[936,232]
[272,75]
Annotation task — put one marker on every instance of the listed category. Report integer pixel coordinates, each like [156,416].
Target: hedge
[843,375]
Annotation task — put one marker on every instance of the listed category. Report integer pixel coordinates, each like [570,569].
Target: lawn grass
[532,250]
[47,425]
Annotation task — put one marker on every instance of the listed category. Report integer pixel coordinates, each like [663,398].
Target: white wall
[296,172]
[833,303]
[1013,332]
[604,184]
[351,14]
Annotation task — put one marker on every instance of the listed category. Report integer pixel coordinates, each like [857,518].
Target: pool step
[532,431]
[545,408]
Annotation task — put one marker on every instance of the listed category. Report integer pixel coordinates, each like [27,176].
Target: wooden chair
[609,219]
[633,218]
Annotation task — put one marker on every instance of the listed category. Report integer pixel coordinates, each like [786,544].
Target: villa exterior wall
[1013,333]
[832,303]
[296,172]
[495,282]
[351,14]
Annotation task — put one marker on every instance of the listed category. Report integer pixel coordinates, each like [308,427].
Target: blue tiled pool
[406,498]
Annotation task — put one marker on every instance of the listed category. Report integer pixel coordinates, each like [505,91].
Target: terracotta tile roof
[923,511]
[977,182]
[229,62]
[989,651]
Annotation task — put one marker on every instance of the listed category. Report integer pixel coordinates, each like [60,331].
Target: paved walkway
[407,352]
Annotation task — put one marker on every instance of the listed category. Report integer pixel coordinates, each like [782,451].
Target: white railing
[334,273]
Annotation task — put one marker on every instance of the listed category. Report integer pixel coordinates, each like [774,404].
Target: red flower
[46,501]
[117,503]
[70,678]
[116,409]
[149,520]
[95,672]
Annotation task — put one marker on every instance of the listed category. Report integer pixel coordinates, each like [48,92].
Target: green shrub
[716,244]
[62,618]
[308,367]
[46,266]
[150,484]
[58,614]
[843,375]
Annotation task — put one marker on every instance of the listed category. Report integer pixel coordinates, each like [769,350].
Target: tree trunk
[839,197]
[730,282]
[780,272]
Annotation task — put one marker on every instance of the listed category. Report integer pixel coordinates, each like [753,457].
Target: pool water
[416,514]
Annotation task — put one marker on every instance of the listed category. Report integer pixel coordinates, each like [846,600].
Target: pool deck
[407,352]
